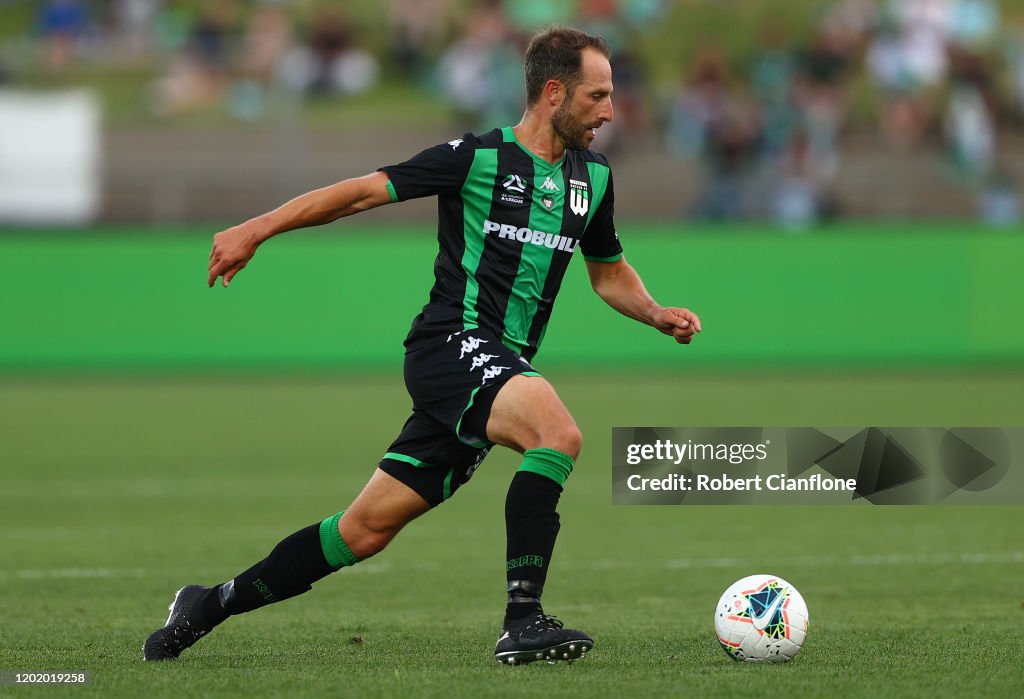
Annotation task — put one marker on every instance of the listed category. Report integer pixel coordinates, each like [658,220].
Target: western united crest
[579,197]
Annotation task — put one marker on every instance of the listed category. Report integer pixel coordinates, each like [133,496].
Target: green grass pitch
[117,491]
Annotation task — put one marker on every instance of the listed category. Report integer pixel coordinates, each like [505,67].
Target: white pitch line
[72,573]
[47,573]
[853,560]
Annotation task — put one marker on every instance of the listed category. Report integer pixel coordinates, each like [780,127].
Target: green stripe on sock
[336,551]
[548,462]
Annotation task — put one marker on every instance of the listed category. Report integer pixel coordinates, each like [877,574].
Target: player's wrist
[654,312]
[262,228]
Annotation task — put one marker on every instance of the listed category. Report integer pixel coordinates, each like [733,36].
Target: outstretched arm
[621,288]
[234,247]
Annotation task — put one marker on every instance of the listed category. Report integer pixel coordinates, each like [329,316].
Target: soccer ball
[761,617]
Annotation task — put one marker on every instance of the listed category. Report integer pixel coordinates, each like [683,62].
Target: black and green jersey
[508,224]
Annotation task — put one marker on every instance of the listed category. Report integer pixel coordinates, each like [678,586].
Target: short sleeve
[600,241]
[438,170]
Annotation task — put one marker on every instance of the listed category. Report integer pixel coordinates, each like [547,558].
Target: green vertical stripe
[599,184]
[535,261]
[447,488]
[458,425]
[477,192]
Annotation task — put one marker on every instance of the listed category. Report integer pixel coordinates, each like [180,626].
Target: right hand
[232,250]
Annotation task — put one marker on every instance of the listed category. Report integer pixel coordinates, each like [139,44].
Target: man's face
[586,106]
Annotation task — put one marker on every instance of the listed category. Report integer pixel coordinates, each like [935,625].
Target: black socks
[532,525]
[290,569]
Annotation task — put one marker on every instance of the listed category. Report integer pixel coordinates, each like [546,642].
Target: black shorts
[453,380]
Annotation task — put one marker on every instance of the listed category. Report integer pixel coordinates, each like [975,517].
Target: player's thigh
[430,459]
[528,414]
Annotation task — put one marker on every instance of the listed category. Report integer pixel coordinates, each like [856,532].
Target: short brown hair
[556,53]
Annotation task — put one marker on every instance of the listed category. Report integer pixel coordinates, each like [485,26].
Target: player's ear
[554,92]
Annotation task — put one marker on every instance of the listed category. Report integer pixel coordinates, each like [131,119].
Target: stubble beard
[571,130]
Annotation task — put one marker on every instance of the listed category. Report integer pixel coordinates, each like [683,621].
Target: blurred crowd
[770,133]
[767,128]
[469,50]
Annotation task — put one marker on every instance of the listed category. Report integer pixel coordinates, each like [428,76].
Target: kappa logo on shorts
[481,359]
[470,345]
[494,371]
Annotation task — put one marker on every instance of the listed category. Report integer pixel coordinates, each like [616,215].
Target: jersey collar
[509,136]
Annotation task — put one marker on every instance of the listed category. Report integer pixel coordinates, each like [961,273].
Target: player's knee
[368,543]
[372,543]
[366,538]
[566,438]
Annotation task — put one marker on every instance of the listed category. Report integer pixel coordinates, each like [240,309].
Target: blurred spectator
[330,62]
[211,34]
[601,17]
[823,68]
[198,74]
[973,23]
[697,104]
[632,122]
[171,27]
[416,28]
[853,18]
[719,126]
[135,21]
[639,14]
[63,25]
[730,154]
[1015,62]
[772,79]
[526,16]
[970,117]
[796,201]
[481,72]
[908,61]
[1000,202]
[266,42]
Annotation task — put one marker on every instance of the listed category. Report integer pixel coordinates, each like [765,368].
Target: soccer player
[513,206]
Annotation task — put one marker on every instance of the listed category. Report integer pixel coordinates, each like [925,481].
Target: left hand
[680,323]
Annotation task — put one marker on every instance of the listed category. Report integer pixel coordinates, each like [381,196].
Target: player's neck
[537,136]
